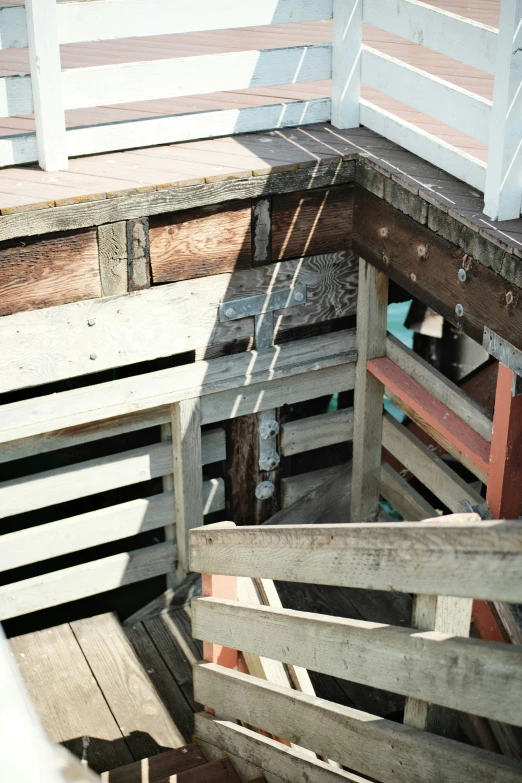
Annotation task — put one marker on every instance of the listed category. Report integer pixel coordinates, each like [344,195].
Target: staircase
[183,765]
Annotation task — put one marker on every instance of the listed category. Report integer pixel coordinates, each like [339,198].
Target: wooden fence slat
[293,488]
[369,745]
[346,63]
[407,501]
[428,665]
[446,556]
[314,432]
[98,576]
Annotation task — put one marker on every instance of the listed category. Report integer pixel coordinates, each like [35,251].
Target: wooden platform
[113,695]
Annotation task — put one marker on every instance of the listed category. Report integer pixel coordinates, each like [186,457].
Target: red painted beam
[431,414]
[504,495]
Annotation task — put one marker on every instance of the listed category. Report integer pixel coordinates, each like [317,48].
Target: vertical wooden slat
[112,253]
[46,82]
[138,253]
[346,62]
[504,495]
[186,450]
[220,587]
[262,231]
[372,305]
[445,615]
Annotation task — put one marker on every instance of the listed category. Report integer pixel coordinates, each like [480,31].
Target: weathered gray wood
[432,666]
[98,576]
[315,432]
[112,253]
[226,375]
[186,449]
[407,501]
[262,231]
[138,253]
[329,504]
[274,758]
[128,690]
[440,387]
[370,746]
[447,485]
[67,697]
[154,202]
[446,556]
[372,306]
[295,488]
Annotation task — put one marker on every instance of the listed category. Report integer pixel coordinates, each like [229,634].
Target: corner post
[346,62]
[503,190]
[46,84]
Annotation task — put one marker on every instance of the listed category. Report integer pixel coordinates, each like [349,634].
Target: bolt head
[383,232]
[93,356]
[298,296]
[459,310]
[462,275]
[230,312]
[91,321]
[413,277]
[265,490]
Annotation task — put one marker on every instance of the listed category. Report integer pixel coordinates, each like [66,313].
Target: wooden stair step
[158,768]
[219,771]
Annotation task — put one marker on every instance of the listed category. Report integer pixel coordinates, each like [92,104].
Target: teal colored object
[397,313]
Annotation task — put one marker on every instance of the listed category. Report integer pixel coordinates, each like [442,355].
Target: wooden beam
[186,450]
[138,253]
[369,745]
[424,665]
[112,250]
[372,303]
[402,556]
[314,432]
[433,416]
[407,501]
[504,495]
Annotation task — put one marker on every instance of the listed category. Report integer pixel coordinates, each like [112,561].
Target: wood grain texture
[313,223]
[428,665]
[112,249]
[200,242]
[138,254]
[314,432]
[407,501]
[362,742]
[427,265]
[68,698]
[133,700]
[187,457]
[261,231]
[159,767]
[49,272]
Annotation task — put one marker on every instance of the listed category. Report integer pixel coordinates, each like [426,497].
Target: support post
[372,303]
[504,494]
[503,191]
[346,62]
[188,485]
[46,83]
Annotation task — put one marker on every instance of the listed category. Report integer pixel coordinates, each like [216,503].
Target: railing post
[503,191]
[346,62]
[46,82]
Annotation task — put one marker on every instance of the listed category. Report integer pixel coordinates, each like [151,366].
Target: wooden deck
[113,695]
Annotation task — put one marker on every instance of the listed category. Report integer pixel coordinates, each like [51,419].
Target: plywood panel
[311,223]
[56,271]
[200,242]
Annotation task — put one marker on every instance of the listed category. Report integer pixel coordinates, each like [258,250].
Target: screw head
[269,429]
[422,251]
[413,277]
[93,356]
[383,232]
[265,490]
[459,310]
[91,321]
[230,312]
[462,275]
[298,296]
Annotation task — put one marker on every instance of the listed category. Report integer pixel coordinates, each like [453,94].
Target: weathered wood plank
[272,757]
[314,432]
[261,231]
[427,266]
[200,242]
[440,479]
[440,387]
[294,488]
[112,249]
[132,698]
[221,378]
[372,312]
[156,202]
[428,665]
[504,495]
[313,223]
[138,254]
[98,576]
[407,501]
[84,337]
[67,697]
[49,272]
[478,559]
[171,762]
[369,745]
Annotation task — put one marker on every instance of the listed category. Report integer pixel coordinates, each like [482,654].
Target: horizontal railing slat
[225,381]
[55,539]
[369,745]
[100,20]
[425,665]
[314,432]
[99,475]
[81,581]
[405,499]
[447,157]
[455,557]
[156,79]
[457,37]
[13,28]
[440,387]
[436,97]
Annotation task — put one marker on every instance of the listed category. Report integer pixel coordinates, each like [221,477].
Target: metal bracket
[262,303]
[506,353]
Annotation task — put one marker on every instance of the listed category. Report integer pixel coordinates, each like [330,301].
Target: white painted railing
[49,91]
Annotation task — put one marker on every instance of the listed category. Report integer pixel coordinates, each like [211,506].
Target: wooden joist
[434,417]
[479,559]
[369,745]
[424,665]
